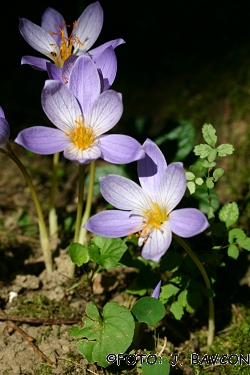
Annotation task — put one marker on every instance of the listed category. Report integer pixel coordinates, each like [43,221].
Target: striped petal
[157,243]
[187,222]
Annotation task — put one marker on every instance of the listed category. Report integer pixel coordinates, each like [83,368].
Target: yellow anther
[83,137]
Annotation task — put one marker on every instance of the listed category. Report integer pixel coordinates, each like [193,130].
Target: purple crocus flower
[52,38]
[148,210]
[4,130]
[82,116]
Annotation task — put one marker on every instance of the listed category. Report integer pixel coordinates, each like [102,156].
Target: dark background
[164,39]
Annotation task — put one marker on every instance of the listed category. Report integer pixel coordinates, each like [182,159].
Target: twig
[44,321]
[29,339]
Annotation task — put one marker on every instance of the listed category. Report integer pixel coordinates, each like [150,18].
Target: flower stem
[53,226]
[86,215]
[44,239]
[211,325]
[79,213]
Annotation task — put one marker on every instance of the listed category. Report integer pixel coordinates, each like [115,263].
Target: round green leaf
[148,310]
[229,213]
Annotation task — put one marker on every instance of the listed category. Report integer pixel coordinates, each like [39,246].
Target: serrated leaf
[167,291]
[209,134]
[233,251]
[210,183]
[177,310]
[190,176]
[218,172]
[205,163]
[148,310]
[182,298]
[202,150]
[191,187]
[229,213]
[225,149]
[236,234]
[199,181]
[113,334]
[162,366]
[245,243]
[107,251]
[78,253]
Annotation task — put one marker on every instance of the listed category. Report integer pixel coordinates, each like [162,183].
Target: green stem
[86,215]
[53,225]
[211,325]
[78,214]
[44,239]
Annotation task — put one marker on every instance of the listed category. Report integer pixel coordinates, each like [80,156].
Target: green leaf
[210,183]
[191,187]
[218,172]
[168,291]
[209,134]
[233,251]
[194,300]
[182,298]
[236,234]
[202,150]
[212,156]
[229,213]
[245,243]
[148,310]
[162,366]
[190,176]
[177,310]
[170,261]
[199,181]
[113,334]
[225,149]
[107,251]
[78,253]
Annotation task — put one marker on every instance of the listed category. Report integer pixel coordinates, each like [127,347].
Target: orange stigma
[82,137]
[66,45]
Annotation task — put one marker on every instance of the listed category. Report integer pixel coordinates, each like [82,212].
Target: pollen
[66,45]
[82,137]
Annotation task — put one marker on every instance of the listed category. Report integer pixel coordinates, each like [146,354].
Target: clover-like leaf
[218,172]
[202,150]
[209,134]
[148,310]
[233,251]
[210,182]
[225,149]
[107,251]
[167,291]
[245,243]
[191,187]
[111,334]
[177,310]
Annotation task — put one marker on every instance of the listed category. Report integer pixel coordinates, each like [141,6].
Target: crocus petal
[88,28]
[37,63]
[187,222]
[157,243]
[105,112]
[53,22]
[80,156]
[42,140]
[54,72]
[172,186]
[123,193]
[95,52]
[151,168]
[4,130]
[84,82]
[68,66]
[120,149]
[2,112]
[60,105]
[37,38]
[107,63]
[156,291]
[113,224]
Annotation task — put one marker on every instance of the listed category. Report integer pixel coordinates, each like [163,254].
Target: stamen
[66,45]
[83,137]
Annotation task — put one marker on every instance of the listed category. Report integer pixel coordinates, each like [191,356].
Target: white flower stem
[53,225]
[211,325]
[78,214]
[44,239]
